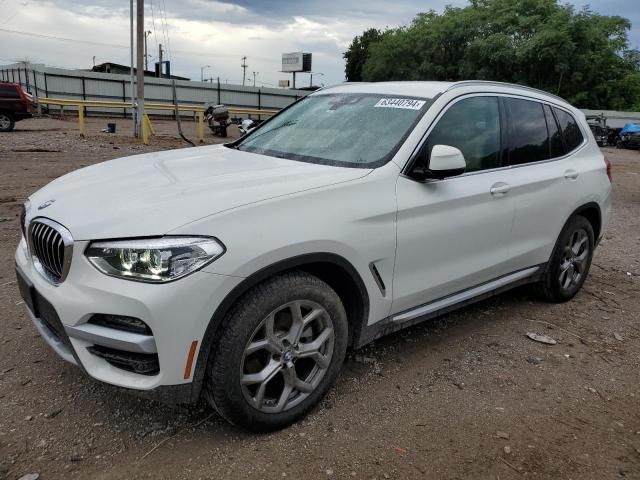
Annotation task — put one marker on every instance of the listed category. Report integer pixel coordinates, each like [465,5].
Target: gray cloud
[219,32]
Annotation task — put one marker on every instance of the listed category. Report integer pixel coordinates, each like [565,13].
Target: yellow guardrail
[147,126]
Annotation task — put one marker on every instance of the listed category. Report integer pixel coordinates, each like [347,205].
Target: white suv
[244,271]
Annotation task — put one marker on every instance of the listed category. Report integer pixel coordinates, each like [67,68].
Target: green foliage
[579,55]
[358,52]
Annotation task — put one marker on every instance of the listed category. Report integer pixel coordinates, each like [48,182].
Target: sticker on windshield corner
[406,103]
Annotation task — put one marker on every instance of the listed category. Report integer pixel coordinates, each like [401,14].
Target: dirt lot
[467,396]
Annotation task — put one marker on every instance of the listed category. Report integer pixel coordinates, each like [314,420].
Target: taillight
[23,96]
[608,164]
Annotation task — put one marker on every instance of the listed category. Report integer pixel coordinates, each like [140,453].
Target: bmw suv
[243,272]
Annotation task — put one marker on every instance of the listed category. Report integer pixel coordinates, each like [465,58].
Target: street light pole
[202,72]
[311,79]
[254,77]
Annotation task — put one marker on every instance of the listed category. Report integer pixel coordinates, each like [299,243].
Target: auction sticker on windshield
[406,103]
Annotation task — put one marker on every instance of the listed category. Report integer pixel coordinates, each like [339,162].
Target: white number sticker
[406,103]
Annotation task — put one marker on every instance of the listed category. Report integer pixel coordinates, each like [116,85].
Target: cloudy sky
[68,33]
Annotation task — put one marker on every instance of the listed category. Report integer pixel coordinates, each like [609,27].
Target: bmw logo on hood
[46,204]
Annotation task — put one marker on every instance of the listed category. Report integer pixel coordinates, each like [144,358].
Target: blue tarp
[630,128]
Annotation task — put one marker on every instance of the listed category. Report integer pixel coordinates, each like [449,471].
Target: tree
[580,55]
[358,53]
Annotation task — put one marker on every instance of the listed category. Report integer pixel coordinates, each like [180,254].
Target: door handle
[571,174]
[499,189]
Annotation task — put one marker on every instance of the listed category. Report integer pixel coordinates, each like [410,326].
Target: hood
[154,193]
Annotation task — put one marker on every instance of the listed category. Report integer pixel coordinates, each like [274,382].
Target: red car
[15,105]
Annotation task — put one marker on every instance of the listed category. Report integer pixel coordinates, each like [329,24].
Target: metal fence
[50,82]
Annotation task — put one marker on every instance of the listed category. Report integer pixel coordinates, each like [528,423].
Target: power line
[114,45]
[163,26]
[19,11]
[163,12]
[63,39]
[153,19]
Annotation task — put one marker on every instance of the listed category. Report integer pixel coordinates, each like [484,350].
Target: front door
[454,234]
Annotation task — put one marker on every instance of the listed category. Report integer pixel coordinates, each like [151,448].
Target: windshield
[347,130]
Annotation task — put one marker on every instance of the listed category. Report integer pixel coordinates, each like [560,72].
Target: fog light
[121,322]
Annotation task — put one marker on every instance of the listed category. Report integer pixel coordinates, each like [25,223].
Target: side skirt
[449,303]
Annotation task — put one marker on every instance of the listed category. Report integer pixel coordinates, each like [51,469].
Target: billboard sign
[296,62]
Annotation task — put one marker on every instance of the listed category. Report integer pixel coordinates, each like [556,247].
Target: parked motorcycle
[217,117]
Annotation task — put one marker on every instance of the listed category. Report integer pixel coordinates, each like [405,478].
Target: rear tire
[281,349]
[7,122]
[570,262]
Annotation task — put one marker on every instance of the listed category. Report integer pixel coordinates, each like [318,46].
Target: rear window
[570,130]
[9,91]
[556,144]
[528,136]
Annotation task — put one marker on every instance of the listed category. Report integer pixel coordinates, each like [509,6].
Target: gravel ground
[465,396]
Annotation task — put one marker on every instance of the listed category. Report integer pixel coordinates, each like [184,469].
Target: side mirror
[445,161]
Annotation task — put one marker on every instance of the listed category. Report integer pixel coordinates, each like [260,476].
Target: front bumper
[177,313]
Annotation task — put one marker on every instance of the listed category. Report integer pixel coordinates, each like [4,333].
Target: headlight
[154,260]
[26,206]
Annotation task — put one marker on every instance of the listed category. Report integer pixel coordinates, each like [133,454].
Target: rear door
[544,176]
[454,234]
[10,98]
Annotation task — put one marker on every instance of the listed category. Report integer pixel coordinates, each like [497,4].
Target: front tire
[7,122]
[281,349]
[570,262]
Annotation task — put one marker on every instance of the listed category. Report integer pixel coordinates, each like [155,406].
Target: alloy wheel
[574,259]
[287,356]
[5,122]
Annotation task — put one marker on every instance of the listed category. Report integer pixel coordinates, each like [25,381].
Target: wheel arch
[333,269]
[591,211]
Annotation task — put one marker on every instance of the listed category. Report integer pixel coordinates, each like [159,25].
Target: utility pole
[160,60]
[131,74]
[146,56]
[254,78]
[244,69]
[140,64]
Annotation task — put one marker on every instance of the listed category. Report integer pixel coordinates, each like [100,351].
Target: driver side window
[473,126]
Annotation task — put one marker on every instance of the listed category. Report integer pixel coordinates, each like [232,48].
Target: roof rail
[466,83]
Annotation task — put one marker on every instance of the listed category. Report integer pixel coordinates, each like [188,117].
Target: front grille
[51,248]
